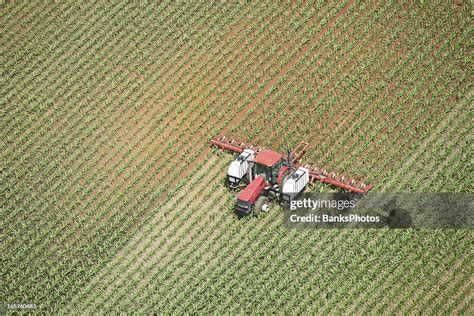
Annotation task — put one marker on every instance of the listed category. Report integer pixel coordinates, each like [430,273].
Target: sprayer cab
[268,164]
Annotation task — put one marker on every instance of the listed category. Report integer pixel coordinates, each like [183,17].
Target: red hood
[253,190]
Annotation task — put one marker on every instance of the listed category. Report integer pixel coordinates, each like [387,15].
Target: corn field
[113,200]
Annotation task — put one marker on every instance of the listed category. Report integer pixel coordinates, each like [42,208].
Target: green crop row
[113,201]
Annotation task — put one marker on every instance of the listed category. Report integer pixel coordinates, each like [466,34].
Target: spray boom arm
[315,173]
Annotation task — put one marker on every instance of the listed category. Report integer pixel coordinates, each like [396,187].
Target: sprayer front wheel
[257,207]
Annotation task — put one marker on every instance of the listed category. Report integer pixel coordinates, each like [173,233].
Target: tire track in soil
[135,244]
[212,243]
[163,249]
[167,281]
[216,202]
[219,220]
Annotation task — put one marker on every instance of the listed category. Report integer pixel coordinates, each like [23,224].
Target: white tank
[296,182]
[238,168]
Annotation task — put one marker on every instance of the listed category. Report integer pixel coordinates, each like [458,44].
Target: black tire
[227,182]
[257,206]
[229,185]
